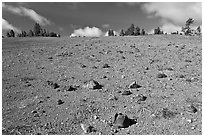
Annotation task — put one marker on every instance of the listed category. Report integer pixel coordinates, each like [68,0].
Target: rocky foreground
[109,85]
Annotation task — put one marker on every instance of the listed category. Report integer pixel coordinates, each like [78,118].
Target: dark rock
[34,111]
[192,80]
[161,75]
[72,88]
[191,109]
[60,102]
[141,98]
[134,85]
[126,92]
[54,85]
[146,68]
[106,66]
[122,121]
[170,69]
[181,76]
[92,84]
[82,66]
[87,128]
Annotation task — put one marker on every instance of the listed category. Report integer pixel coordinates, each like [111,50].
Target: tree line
[132,31]
[135,31]
[37,31]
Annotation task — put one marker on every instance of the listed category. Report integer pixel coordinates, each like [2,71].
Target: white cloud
[175,12]
[88,32]
[168,27]
[22,11]
[7,26]
[174,15]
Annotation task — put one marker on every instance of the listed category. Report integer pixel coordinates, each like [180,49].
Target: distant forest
[37,31]
[131,31]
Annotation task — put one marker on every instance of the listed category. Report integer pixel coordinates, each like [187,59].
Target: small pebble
[126,92]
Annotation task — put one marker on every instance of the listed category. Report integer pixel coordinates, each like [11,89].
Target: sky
[95,18]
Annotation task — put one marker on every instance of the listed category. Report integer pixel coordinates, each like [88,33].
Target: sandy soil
[48,85]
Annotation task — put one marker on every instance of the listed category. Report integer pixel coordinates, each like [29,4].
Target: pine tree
[23,34]
[12,33]
[143,32]
[198,30]
[37,29]
[30,33]
[137,31]
[8,34]
[110,32]
[122,32]
[158,31]
[130,30]
[187,30]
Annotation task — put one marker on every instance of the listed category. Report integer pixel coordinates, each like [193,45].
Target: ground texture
[81,85]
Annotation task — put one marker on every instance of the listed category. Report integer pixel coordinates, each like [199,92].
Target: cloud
[105,25]
[173,15]
[88,32]
[168,27]
[7,26]
[22,11]
[175,12]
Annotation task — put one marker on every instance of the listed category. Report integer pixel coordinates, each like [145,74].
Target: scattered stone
[189,120]
[141,98]
[82,66]
[169,69]
[181,76]
[126,92]
[161,75]
[60,102]
[92,84]
[134,85]
[54,85]
[87,128]
[146,68]
[113,97]
[96,117]
[191,108]
[122,121]
[106,66]
[50,57]
[192,80]
[34,112]
[72,88]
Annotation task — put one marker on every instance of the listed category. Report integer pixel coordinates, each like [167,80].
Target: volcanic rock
[141,98]
[126,92]
[60,102]
[134,85]
[122,121]
[191,108]
[87,128]
[92,84]
[161,75]
[106,66]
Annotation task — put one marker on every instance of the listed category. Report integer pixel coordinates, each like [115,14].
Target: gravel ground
[109,85]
